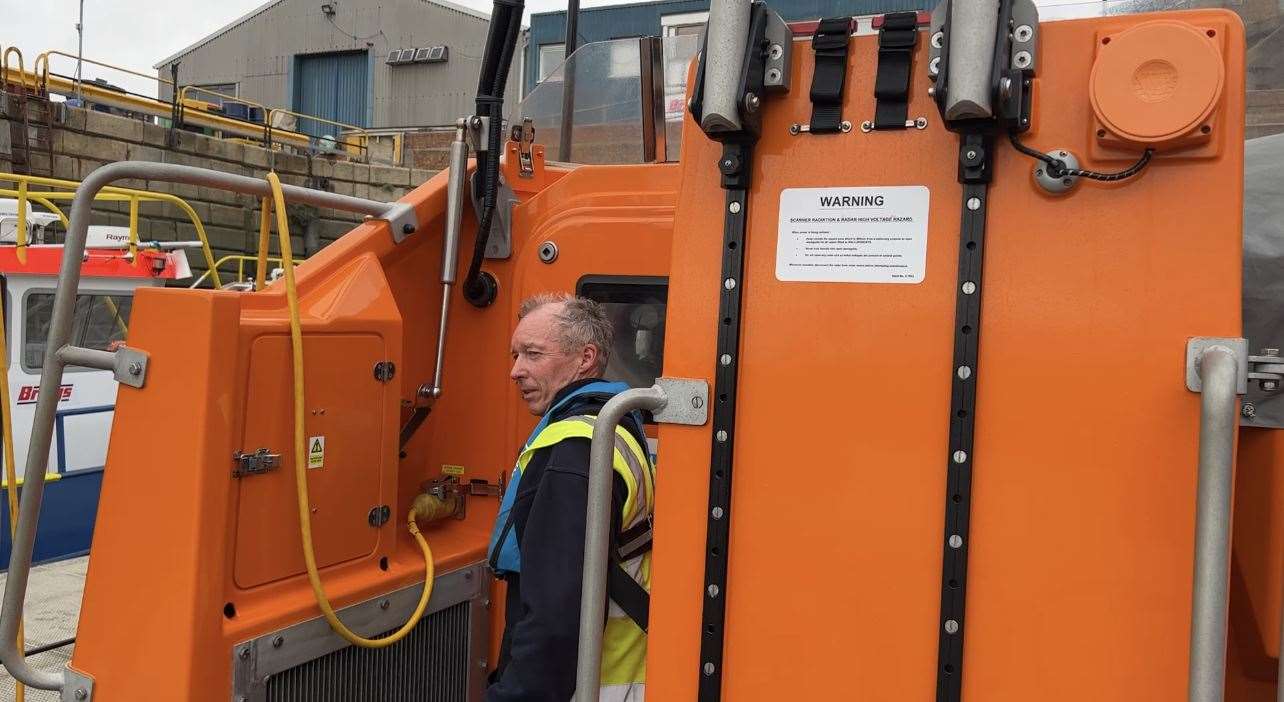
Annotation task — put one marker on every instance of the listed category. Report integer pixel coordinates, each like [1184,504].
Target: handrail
[241,260]
[182,95]
[108,194]
[597,533]
[42,79]
[4,66]
[362,145]
[1218,368]
[401,220]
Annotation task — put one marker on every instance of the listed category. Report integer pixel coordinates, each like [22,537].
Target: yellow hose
[300,457]
[10,471]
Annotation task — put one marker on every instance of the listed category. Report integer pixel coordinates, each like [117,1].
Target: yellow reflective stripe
[630,470]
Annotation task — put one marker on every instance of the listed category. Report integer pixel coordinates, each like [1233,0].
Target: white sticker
[853,235]
[316,451]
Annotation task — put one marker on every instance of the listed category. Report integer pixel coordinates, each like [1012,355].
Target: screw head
[776,51]
[244,653]
[81,693]
[920,123]
[721,436]
[697,402]
[969,287]
[960,456]
[1270,385]
[726,359]
[845,126]
[729,283]
[384,604]
[956,541]
[734,208]
[135,368]
[713,590]
[938,40]
[1248,410]
[964,372]
[973,203]
[867,126]
[951,626]
[708,669]
[717,512]
[278,641]
[794,129]
[407,229]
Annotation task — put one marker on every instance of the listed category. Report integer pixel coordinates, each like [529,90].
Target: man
[559,353]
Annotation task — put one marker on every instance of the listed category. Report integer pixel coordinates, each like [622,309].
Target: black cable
[1057,168]
[50,646]
[490,103]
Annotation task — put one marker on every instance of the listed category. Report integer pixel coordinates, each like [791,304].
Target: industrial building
[385,64]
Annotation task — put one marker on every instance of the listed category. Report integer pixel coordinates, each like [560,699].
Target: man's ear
[589,358]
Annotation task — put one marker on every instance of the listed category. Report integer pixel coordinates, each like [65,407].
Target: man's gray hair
[581,320]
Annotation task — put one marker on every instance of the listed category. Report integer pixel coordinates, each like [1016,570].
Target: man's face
[541,367]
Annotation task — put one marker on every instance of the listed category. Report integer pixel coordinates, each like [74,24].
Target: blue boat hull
[67,517]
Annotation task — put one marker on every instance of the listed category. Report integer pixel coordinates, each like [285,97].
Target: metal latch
[1267,369]
[524,135]
[260,461]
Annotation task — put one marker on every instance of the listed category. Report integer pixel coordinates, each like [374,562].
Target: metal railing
[1217,369]
[597,533]
[4,67]
[23,194]
[129,365]
[40,67]
[240,260]
[358,147]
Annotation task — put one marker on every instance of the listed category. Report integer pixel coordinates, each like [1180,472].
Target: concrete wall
[84,140]
[259,55]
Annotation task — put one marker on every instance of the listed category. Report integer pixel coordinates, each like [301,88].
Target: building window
[626,58]
[212,92]
[550,57]
[683,23]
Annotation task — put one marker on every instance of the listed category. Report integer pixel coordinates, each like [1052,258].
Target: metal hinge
[260,461]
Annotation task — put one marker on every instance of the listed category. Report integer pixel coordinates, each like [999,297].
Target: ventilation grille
[429,665]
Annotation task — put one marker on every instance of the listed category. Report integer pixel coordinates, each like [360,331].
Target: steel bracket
[401,219]
[130,367]
[686,401]
[77,686]
[1195,348]
[524,135]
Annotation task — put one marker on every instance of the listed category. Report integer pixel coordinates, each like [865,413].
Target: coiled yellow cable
[10,471]
[300,457]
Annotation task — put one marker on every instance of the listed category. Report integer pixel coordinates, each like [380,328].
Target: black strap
[896,41]
[621,588]
[827,82]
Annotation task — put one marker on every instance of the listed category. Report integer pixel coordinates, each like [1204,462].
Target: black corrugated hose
[501,41]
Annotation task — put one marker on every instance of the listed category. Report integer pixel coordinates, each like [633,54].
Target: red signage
[28,394]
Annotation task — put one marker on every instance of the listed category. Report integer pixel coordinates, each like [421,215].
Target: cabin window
[636,307]
[101,322]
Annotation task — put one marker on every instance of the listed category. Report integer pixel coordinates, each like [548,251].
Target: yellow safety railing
[40,67]
[360,145]
[66,192]
[241,261]
[4,67]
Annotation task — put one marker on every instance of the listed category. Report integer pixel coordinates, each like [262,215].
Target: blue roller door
[332,86]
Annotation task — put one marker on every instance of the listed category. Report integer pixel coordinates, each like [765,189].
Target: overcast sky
[138,33]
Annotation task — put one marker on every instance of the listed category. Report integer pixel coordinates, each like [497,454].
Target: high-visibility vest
[623,641]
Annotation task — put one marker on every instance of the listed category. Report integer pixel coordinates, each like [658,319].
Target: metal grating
[430,665]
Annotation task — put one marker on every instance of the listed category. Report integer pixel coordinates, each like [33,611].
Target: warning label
[316,451]
[853,235]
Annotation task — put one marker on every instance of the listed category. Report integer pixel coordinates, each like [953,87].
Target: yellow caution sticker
[316,451]
[452,470]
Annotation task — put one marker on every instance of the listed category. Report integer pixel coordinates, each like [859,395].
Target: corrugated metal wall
[260,56]
[331,86]
[641,20]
